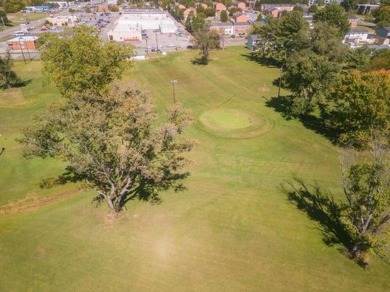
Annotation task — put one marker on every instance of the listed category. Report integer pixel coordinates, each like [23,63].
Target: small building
[252,42]
[240,5]
[240,17]
[219,7]
[63,20]
[223,28]
[353,21]
[356,35]
[22,43]
[241,28]
[180,6]
[188,11]
[276,11]
[383,35]
[102,8]
[383,32]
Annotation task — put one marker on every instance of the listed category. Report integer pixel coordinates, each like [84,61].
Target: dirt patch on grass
[12,98]
[33,202]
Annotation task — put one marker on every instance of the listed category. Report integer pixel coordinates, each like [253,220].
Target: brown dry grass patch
[12,98]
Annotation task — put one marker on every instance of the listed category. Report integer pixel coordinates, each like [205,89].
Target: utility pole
[173,90]
[21,48]
[156,41]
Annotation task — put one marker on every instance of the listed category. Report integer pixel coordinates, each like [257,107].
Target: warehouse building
[132,23]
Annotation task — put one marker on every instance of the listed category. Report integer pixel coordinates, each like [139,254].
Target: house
[188,12]
[219,7]
[353,20]
[276,11]
[181,6]
[383,35]
[241,28]
[240,17]
[224,28]
[240,5]
[102,8]
[23,43]
[252,42]
[251,3]
[383,32]
[356,35]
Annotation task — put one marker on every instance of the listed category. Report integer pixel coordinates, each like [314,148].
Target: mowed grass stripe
[233,229]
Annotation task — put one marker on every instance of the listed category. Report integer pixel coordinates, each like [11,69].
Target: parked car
[19,33]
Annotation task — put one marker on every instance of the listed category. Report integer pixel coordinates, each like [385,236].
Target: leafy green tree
[358,59]
[112,142]
[310,72]
[209,12]
[8,77]
[282,36]
[234,10]
[79,61]
[224,16]
[11,6]
[308,76]
[359,105]
[335,15]
[324,41]
[382,16]
[313,9]
[3,17]
[206,40]
[349,4]
[366,213]
[380,60]
[195,23]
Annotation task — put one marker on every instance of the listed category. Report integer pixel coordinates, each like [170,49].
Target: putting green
[233,123]
[226,119]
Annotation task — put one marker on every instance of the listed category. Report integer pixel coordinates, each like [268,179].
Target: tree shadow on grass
[253,57]
[320,207]
[283,105]
[67,177]
[199,61]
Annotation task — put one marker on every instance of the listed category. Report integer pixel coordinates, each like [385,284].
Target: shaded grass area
[232,230]
[20,178]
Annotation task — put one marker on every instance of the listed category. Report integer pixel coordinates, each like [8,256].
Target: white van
[19,33]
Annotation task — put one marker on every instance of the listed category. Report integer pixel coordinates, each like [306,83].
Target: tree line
[346,92]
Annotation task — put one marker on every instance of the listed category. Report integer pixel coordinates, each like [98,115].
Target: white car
[19,33]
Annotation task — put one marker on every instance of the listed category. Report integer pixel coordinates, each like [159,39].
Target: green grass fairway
[233,229]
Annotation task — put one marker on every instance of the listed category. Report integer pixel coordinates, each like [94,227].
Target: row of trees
[104,128]
[347,91]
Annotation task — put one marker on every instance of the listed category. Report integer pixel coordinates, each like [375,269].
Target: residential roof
[358,30]
[23,39]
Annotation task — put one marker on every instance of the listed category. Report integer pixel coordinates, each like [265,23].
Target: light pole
[21,48]
[280,80]
[173,90]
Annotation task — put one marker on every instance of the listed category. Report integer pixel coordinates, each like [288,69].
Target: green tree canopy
[224,16]
[280,37]
[8,77]
[380,60]
[335,15]
[205,40]
[113,143]
[360,106]
[80,62]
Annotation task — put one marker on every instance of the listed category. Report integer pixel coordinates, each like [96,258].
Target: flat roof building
[130,25]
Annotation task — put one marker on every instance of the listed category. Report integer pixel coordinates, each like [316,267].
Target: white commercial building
[130,25]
